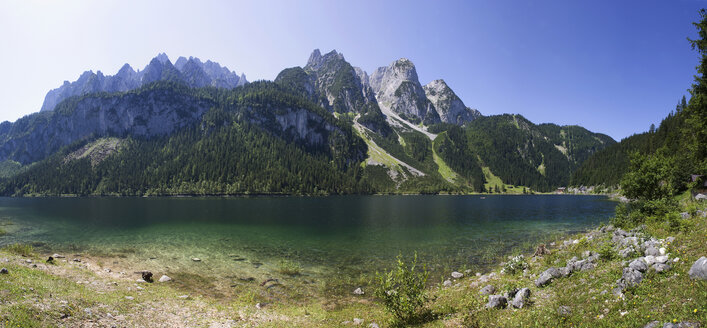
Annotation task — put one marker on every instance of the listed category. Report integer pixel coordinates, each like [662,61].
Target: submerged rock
[147,276]
[699,269]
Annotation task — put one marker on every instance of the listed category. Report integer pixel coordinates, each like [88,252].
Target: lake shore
[103,291]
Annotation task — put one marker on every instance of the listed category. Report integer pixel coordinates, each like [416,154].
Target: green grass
[20,249]
[492,181]
[445,171]
[663,297]
[289,268]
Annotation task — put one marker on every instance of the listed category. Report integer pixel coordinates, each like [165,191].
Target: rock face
[331,82]
[449,107]
[143,113]
[398,89]
[699,269]
[190,71]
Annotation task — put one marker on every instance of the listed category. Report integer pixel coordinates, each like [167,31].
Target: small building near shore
[561,190]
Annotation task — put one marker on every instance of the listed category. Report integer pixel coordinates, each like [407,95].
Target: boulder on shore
[547,276]
[521,298]
[496,302]
[699,269]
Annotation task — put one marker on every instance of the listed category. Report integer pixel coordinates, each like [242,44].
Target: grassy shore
[69,293]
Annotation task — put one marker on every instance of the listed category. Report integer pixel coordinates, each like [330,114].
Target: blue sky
[611,66]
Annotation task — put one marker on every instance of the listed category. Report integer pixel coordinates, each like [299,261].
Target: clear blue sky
[612,66]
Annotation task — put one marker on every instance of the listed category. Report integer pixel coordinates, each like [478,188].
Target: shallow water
[324,235]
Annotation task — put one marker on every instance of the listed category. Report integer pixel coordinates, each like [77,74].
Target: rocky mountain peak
[316,60]
[449,106]
[162,58]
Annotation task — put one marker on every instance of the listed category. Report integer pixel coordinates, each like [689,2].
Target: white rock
[676,260]
[457,275]
[447,283]
[165,279]
[130,298]
[358,291]
[661,259]
[357,321]
[140,281]
[196,259]
[650,259]
[57,256]
[183,296]
[662,251]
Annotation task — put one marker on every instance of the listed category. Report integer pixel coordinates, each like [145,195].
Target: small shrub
[289,268]
[676,223]
[20,249]
[607,252]
[402,291]
[514,265]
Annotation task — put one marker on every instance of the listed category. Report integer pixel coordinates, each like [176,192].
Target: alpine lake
[326,245]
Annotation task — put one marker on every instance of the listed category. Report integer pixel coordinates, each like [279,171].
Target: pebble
[130,298]
[183,296]
[358,291]
[196,259]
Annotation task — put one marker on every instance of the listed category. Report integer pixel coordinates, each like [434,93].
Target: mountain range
[327,127]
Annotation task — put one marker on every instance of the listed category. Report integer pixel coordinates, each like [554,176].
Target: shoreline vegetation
[88,290]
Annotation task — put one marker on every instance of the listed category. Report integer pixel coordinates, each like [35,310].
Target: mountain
[449,107]
[190,71]
[325,128]
[330,81]
[398,90]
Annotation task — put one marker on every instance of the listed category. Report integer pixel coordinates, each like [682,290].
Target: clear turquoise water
[325,235]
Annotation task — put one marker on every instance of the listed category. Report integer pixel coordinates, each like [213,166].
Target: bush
[289,268]
[607,252]
[402,291]
[514,265]
[20,249]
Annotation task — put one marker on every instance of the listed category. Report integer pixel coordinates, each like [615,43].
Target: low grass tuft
[20,249]
[289,268]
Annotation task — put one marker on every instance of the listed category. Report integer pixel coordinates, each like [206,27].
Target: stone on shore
[496,302]
[520,298]
[638,265]
[699,269]
[165,278]
[547,276]
[358,291]
[457,275]
[447,283]
[488,290]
